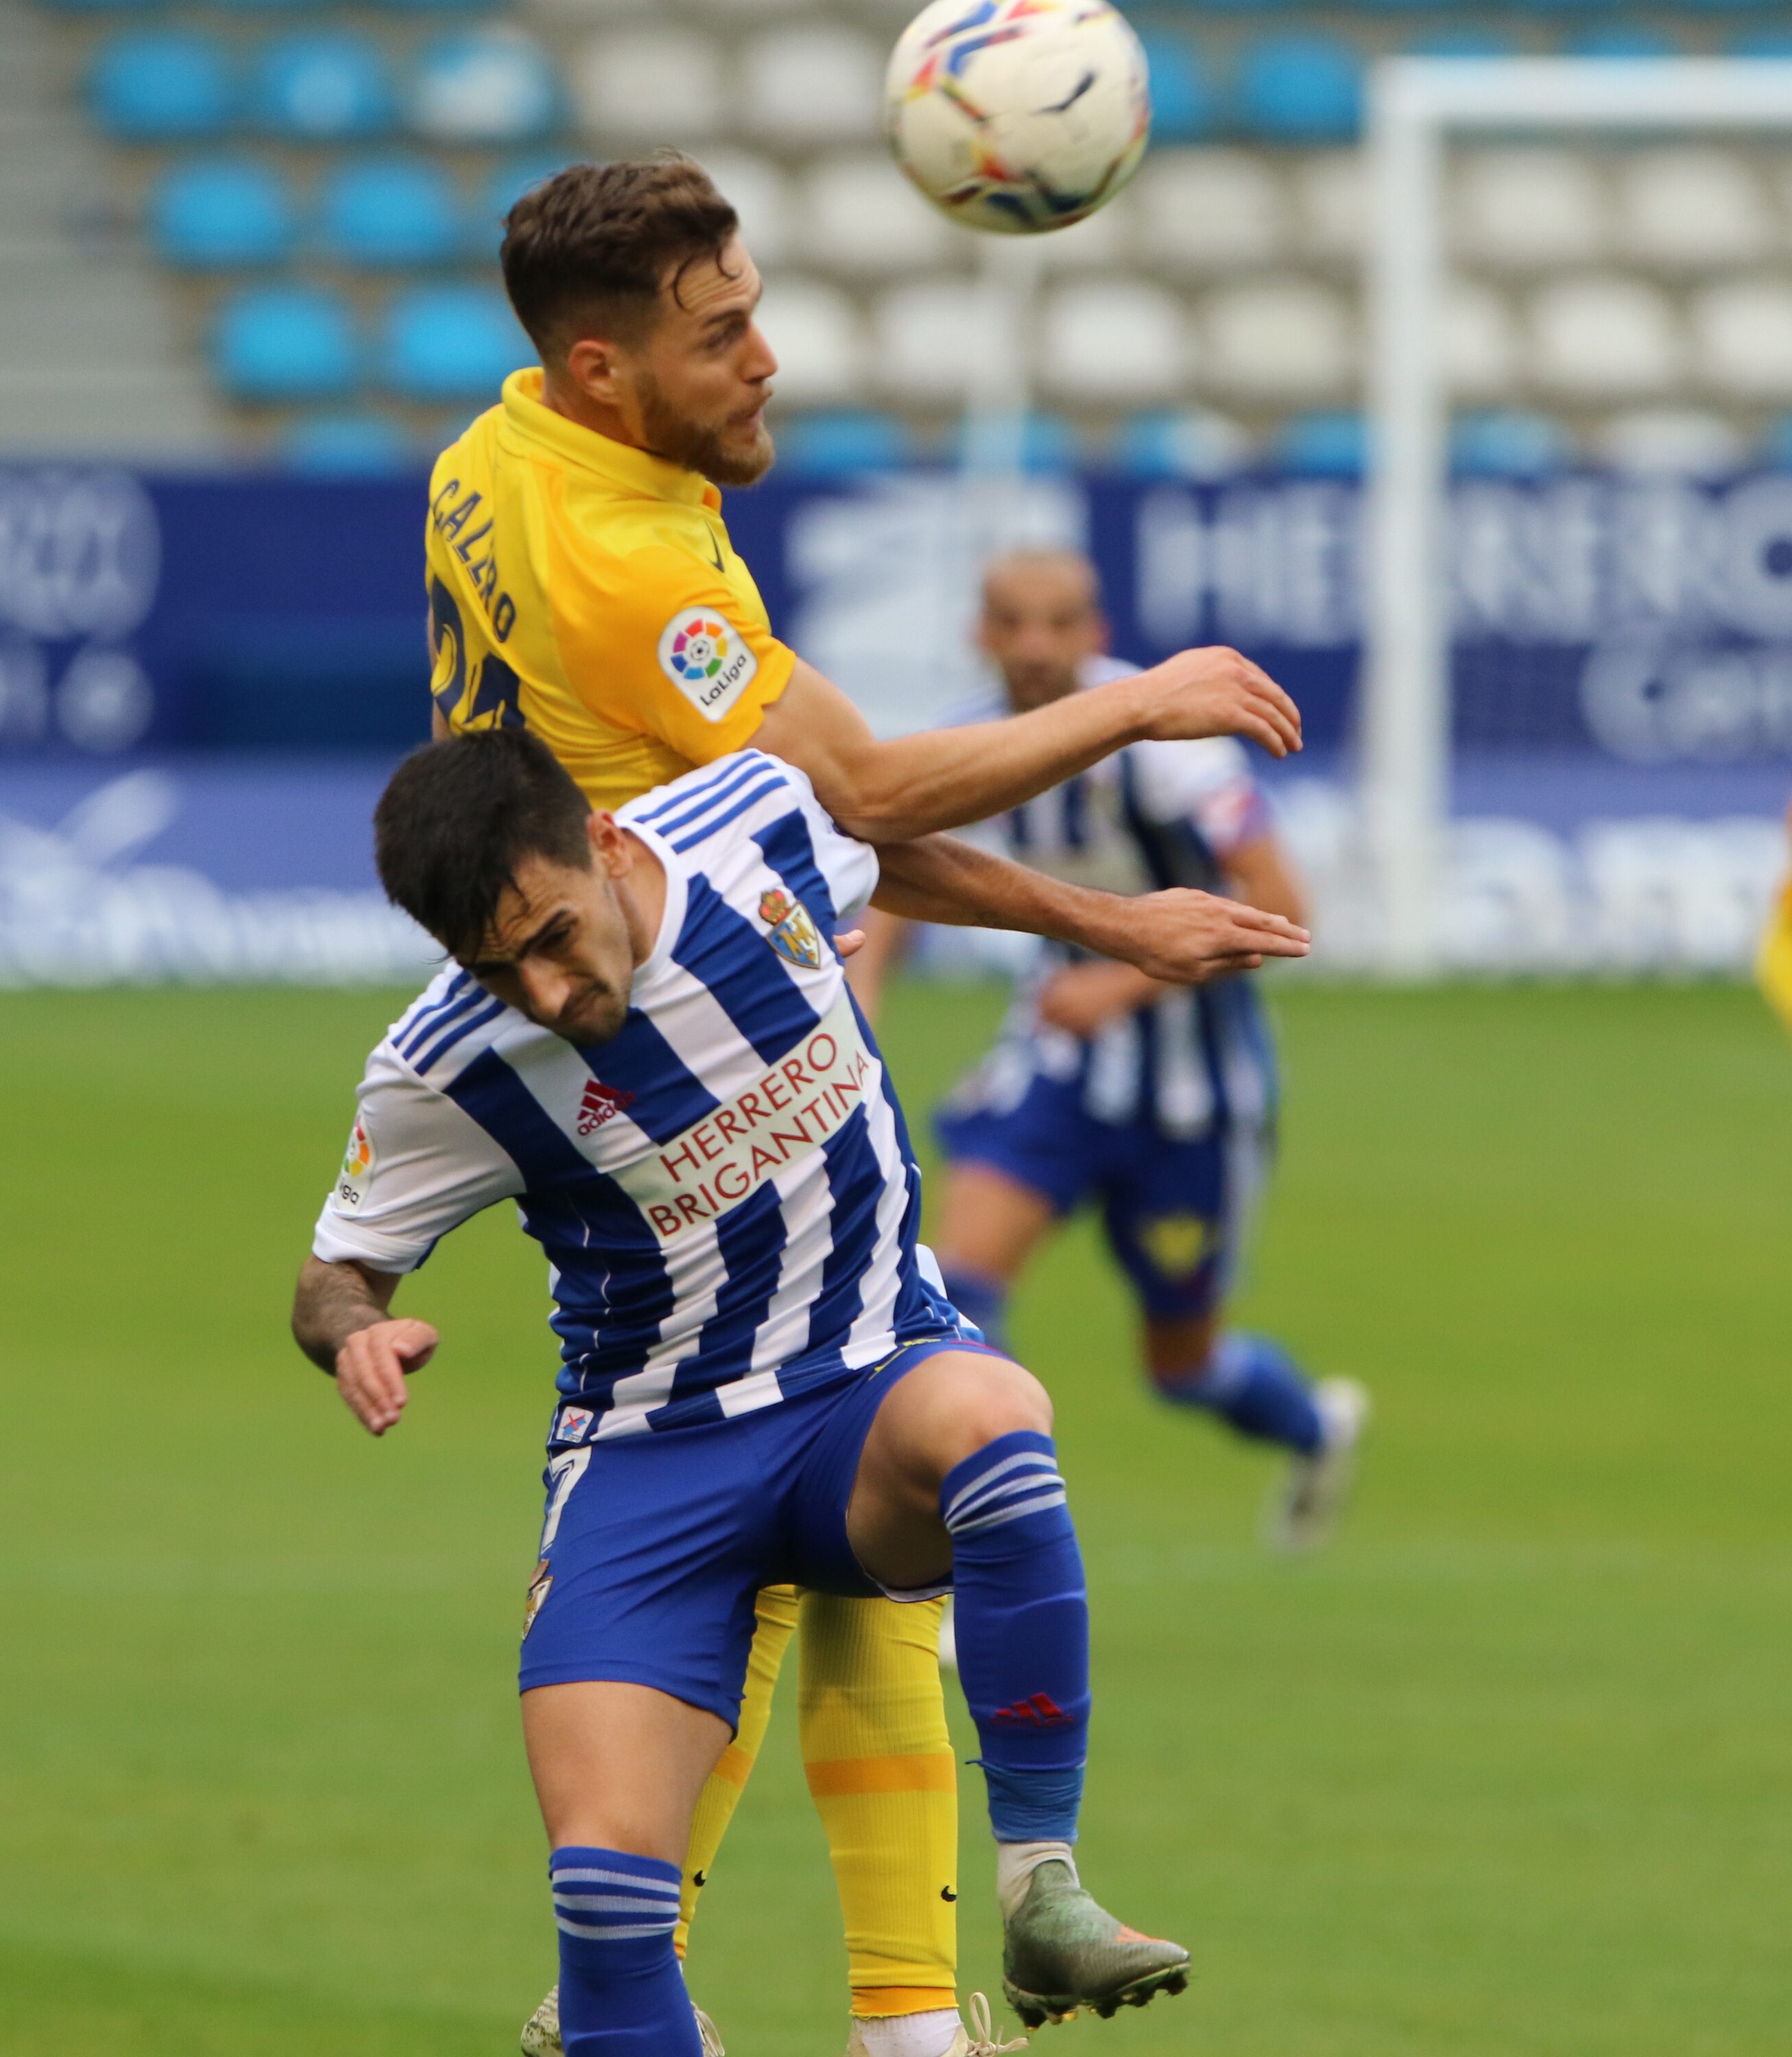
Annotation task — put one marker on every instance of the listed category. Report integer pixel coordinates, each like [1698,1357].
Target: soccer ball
[1018,116]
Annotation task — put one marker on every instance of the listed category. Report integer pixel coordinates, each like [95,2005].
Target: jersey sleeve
[416,1167]
[1207,784]
[661,641]
[850,867]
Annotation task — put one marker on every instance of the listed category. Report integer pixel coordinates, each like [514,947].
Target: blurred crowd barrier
[203,680]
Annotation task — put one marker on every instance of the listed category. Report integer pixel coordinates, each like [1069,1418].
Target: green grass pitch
[1505,1774]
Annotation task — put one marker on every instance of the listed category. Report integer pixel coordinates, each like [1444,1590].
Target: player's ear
[611,850]
[593,364]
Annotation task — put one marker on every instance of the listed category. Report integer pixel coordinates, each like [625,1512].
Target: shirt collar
[635,472]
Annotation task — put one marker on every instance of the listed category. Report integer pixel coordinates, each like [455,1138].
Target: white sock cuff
[929,2035]
[1016,1864]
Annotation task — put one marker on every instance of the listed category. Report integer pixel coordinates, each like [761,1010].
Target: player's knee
[1000,1399]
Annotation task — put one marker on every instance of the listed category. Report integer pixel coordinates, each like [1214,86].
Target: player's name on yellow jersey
[588,591]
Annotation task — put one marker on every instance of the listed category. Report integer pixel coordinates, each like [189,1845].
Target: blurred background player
[1158,1102]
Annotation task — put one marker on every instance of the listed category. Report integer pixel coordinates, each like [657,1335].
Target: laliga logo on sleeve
[794,935]
[708,659]
[357,1161]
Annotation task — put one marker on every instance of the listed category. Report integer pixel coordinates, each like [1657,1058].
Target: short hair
[459,817]
[587,251]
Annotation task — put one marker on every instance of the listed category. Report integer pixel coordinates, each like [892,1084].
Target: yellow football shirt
[588,591]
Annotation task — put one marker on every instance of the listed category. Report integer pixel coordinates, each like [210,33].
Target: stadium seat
[1045,443]
[815,330]
[284,342]
[1463,42]
[860,214]
[256,8]
[759,193]
[494,85]
[1195,443]
[1759,43]
[450,342]
[1776,444]
[1116,339]
[1674,442]
[1322,446]
[1182,99]
[1281,339]
[1692,208]
[433,7]
[325,86]
[1304,89]
[385,213]
[221,214]
[661,85]
[930,336]
[1529,206]
[348,446]
[1508,444]
[156,85]
[820,82]
[1622,39]
[1208,210]
[1741,333]
[1331,203]
[1598,335]
[501,188]
[1480,342]
[843,440]
[84,7]
[1104,241]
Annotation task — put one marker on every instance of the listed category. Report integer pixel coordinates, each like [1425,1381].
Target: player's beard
[697,446]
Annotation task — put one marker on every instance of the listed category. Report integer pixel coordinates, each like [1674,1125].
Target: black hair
[586,252]
[457,819]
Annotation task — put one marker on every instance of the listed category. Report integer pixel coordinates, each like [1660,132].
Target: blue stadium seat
[324,86]
[161,85]
[1776,444]
[284,342]
[1049,443]
[438,7]
[221,214]
[389,213]
[1305,89]
[1182,102]
[1181,444]
[1508,444]
[484,85]
[259,8]
[847,439]
[1623,39]
[1322,446]
[1480,43]
[103,6]
[451,342]
[1760,43]
[348,446]
[505,185]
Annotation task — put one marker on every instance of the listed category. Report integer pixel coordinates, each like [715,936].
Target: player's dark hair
[459,817]
[585,253]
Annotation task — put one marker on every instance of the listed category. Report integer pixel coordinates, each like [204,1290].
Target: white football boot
[1304,1509]
[541,2037]
[978,2040]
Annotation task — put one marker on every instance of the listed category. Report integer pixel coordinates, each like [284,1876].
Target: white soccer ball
[1018,116]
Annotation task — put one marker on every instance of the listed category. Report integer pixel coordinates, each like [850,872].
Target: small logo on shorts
[1177,1245]
[1039,1710]
[599,1104]
[571,1424]
[539,1587]
[793,936]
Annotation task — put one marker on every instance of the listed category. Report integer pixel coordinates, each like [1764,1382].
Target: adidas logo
[599,1104]
[1041,1711]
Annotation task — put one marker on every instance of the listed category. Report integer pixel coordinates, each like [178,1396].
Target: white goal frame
[1415,104]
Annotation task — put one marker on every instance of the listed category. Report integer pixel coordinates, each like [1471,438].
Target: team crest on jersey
[1176,1244]
[538,1589]
[707,659]
[793,936]
[357,1161]
[599,1104]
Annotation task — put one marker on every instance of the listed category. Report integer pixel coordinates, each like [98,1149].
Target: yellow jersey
[588,591]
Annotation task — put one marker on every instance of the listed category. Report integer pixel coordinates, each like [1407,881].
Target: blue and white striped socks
[621,1991]
[1023,1625]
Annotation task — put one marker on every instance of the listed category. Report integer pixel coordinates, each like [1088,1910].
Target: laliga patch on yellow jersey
[357,1162]
[1176,1243]
[707,659]
[793,936]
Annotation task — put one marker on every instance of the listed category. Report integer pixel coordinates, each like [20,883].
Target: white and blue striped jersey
[1154,815]
[725,1191]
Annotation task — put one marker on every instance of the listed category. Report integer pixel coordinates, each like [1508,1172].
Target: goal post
[1416,105]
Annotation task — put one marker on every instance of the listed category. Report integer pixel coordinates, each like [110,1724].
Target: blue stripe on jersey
[1075,812]
[751,1240]
[750,797]
[670,816]
[855,1179]
[746,977]
[456,1032]
[420,1023]
[516,1121]
[638,1060]
[790,850]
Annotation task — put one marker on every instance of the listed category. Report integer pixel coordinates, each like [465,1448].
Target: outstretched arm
[1182,937]
[340,1322]
[942,779]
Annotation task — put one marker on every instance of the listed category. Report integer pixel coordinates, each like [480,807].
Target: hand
[1083,999]
[849,944]
[1185,938]
[370,1369]
[1217,692]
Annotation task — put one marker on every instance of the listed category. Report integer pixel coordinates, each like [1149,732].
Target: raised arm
[1182,937]
[943,779]
[339,1321]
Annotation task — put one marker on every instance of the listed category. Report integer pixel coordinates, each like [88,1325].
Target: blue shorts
[655,1547]
[1174,1211]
